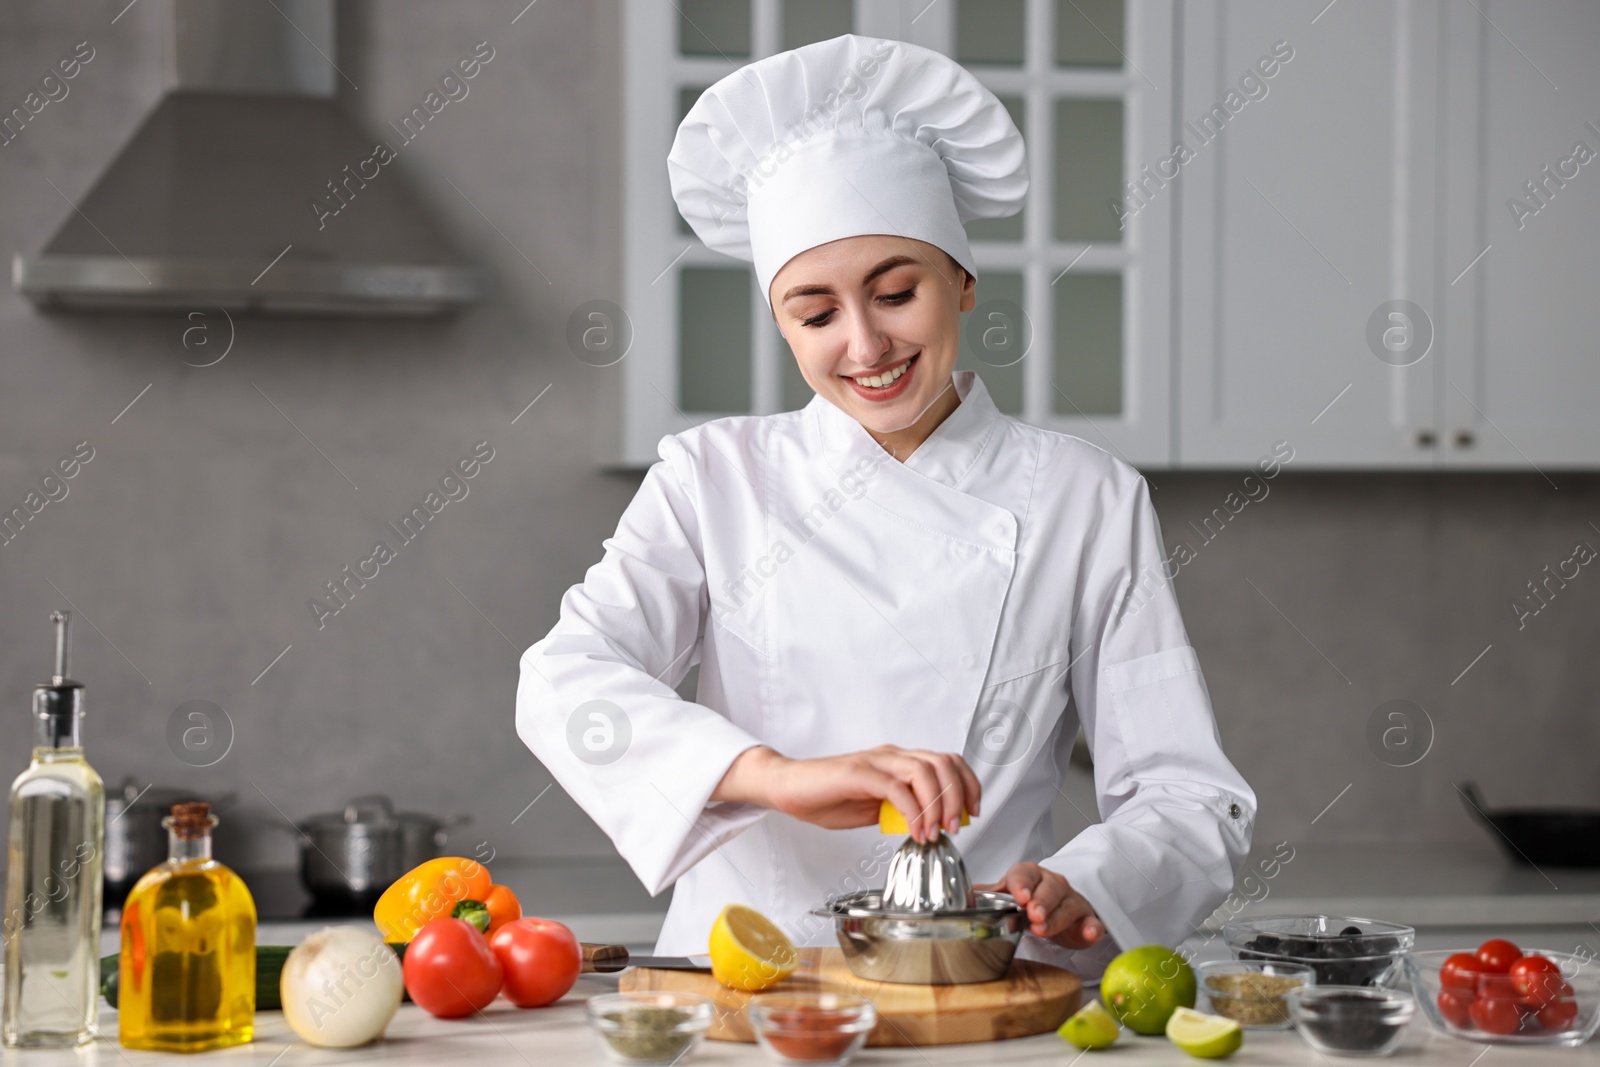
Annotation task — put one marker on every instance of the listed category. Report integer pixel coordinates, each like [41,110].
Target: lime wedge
[1091,1027]
[1206,1037]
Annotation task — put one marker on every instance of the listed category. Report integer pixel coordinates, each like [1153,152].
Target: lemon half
[890,821]
[748,951]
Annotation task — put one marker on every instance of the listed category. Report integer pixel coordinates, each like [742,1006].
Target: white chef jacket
[1001,586]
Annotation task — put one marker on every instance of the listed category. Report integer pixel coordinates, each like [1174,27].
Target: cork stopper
[190,819]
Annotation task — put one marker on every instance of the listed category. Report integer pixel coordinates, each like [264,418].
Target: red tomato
[1558,1014]
[1455,1006]
[1536,979]
[1461,971]
[1495,1015]
[450,970]
[1497,955]
[541,959]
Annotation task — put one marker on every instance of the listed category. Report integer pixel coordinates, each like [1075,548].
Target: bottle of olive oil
[53,864]
[187,974]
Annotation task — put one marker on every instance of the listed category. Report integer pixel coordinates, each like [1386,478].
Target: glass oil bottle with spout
[187,978]
[53,863]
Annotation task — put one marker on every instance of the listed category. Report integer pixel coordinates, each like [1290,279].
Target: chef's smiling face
[875,324]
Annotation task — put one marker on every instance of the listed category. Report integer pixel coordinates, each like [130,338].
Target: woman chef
[895,593]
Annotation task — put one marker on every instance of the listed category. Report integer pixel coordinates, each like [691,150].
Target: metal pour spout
[58,704]
[63,625]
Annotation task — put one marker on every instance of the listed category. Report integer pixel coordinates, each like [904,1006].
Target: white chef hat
[851,136]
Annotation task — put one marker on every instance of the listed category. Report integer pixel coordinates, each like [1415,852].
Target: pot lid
[375,812]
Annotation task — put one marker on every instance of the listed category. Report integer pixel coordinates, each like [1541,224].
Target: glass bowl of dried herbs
[646,1027]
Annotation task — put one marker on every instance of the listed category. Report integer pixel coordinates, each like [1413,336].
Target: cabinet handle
[1464,439]
[1424,439]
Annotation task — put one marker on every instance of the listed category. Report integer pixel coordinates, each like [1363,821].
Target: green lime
[1206,1037]
[1144,986]
[1091,1027]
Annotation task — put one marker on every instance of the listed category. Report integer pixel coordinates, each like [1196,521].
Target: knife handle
[593,952]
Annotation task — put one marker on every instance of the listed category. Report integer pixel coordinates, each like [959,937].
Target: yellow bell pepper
[428,892]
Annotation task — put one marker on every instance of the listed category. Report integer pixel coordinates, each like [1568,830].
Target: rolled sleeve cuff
[666,844]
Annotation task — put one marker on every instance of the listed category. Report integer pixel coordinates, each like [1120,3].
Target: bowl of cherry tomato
[1504,995]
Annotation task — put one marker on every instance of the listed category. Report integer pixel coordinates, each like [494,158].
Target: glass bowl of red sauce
[811,1028]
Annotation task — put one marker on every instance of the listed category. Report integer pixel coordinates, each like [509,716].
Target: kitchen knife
[613,963]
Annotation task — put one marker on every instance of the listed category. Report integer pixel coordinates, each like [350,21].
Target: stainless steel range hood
[213,200]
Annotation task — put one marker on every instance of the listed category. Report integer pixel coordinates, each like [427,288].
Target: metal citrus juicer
[928,876]
[927,926]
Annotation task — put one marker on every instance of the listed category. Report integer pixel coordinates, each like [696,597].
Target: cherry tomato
[1455,1006]
[1497,955]
[450,970]
[503,908]
[1461,971]
[1536,979]
[541,960]
[1494,1015]
[1558,1014]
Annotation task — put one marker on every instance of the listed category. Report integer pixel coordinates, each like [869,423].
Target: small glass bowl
[1351,1020]
[1570,1020]
[1253,993]
[646,1027]
[1371,957]
[816,1029]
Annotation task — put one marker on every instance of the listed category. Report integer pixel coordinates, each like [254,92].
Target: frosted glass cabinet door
[997,339]
[1522,387]
[714,28]
[1089,33]
[989,31]
[1303,140]
[714,371]
[809,21]
[1088,170]
[1086,372]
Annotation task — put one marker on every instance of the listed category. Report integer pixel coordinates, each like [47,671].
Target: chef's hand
[843,792]
[1055,910]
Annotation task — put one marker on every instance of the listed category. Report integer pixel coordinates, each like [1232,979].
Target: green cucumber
[269,968]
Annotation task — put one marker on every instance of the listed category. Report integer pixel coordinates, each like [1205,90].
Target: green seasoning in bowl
[1253,993]
[650,1028]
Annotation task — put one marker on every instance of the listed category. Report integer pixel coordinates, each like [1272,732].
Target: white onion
[340,987]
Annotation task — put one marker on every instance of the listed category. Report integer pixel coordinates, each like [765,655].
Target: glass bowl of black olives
[1341,950]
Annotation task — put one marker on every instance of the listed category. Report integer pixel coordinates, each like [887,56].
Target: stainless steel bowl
[943,948]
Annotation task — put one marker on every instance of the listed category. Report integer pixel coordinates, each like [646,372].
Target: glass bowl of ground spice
[811,1028]
[1253,993]
[646,1027]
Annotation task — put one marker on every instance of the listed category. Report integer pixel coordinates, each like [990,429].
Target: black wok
[1541,837]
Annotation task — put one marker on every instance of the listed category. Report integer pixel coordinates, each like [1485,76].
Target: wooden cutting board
[1033,998]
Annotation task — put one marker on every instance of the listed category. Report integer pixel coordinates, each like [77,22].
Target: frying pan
[1540,837]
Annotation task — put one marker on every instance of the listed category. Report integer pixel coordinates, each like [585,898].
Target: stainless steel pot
[135,839]
[353,855]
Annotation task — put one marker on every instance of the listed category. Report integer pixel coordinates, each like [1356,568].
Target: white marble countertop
[504,1036]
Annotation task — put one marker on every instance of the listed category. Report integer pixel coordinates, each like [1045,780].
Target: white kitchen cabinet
[1380,166]
[1311,206]
[1522,381]
[1316,240]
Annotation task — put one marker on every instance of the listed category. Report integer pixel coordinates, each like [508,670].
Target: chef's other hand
[846,791]
[1055,910]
